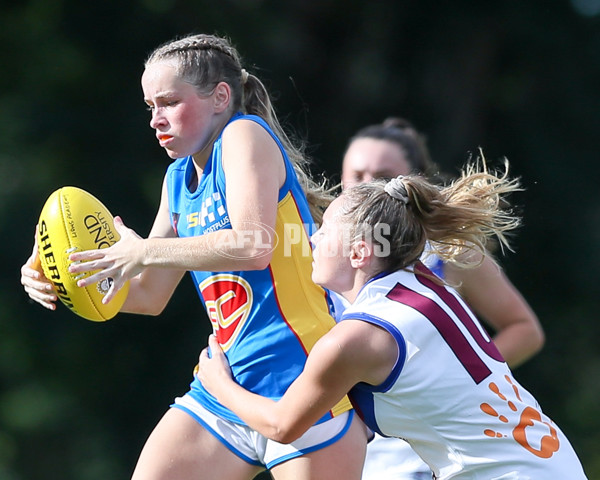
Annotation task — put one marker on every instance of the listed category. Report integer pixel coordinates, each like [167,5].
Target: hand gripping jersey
[267,321]
[450,394]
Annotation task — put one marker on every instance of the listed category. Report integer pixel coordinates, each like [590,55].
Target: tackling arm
[352,352]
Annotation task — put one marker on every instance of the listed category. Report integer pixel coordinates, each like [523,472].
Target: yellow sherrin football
[74,220]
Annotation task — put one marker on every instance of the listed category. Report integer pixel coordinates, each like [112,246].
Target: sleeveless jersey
[450,394]
[266,321]
[391,458]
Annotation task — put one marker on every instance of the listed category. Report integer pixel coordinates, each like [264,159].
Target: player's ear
[222,97]
[361,253]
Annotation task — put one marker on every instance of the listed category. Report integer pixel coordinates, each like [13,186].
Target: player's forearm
[150,291]
[224,250]
[259,413]
[519,342]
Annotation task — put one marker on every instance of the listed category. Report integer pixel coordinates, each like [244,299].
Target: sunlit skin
[333,257]
[330,268]
[183,120]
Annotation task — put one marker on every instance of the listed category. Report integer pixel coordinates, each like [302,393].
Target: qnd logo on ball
[228,300]
[99,229]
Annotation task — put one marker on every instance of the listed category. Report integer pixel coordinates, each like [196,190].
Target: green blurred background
[521,79]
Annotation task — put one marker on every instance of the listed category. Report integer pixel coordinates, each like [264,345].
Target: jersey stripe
[297,244]
[465,353]
[486,344]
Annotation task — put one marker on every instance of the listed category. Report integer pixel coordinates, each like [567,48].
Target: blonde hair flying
[460,217]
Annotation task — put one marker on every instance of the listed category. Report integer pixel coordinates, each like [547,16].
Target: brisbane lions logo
[228,300]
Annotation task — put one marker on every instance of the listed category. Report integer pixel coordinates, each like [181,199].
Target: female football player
[394,147]
[234,213]
[416,361]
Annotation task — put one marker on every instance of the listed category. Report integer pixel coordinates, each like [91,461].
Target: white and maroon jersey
[450,394]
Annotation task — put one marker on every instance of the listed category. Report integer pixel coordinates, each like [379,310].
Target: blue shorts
[257,449]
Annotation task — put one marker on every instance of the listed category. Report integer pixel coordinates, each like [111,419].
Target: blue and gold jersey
[267,321]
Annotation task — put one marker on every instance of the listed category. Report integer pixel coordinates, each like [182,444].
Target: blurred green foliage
[519,79]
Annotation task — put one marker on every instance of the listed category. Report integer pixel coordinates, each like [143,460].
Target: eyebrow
[161,95]
[384,174]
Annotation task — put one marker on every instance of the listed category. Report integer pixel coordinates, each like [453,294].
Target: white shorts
[257,449]
[393,459]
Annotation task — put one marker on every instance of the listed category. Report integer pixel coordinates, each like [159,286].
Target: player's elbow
[535,335]
[282,429]
[532,341]
[285,439]
[538,339]
[260,260]
[255,247]
[284,435]
[256,256]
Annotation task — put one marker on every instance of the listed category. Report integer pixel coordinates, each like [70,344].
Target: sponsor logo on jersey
[211,211]
[228,299]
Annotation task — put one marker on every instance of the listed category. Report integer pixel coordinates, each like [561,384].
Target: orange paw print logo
[532,432]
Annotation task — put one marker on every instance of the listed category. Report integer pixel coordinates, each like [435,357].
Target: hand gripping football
[74,220]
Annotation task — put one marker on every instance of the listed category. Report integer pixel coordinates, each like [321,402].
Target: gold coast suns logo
[228,300]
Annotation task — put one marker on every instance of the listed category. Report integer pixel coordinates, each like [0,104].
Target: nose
[156,119]
[314,238]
